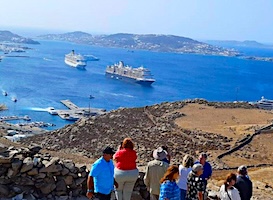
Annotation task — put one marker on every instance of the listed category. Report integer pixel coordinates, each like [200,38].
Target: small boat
[14,99]
[5,93]
[52,111]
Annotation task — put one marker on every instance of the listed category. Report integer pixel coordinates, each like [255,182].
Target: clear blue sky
[197,19]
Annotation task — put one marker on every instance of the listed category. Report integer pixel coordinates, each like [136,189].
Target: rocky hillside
[149,126]
[152,42]
[7,36]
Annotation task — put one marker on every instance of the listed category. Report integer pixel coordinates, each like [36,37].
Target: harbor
[74,113]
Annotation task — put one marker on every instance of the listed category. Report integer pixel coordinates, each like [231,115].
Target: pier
[74,113]
[9,118]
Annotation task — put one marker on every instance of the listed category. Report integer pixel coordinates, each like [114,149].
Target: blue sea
[42,79]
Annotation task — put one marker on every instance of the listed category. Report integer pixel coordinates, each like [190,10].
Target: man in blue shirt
[206,167]
[100,182]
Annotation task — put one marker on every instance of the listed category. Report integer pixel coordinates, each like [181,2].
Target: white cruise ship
[75,60]
[138,75]
[264,104]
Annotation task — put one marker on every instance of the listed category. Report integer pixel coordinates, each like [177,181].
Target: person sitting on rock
[100,182]
[169,190]
[126,172]
[243,183]
[227,191]
[184,171]
[195,183]
[155,170]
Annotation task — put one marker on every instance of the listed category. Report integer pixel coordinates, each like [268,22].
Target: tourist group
[118,171]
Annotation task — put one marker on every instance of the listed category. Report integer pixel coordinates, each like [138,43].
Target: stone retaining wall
[29,174]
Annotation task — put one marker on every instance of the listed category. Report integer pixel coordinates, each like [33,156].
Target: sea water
[42,79]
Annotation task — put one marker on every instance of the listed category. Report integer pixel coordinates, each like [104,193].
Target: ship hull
[128,79]
[75,64]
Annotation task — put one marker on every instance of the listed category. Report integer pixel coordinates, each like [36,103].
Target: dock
[9,118]
[74,113]
[69,104]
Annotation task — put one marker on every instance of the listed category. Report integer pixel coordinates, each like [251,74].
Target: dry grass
[233,123]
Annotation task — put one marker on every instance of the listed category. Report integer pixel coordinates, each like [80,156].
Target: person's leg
[120,178]
[183,194]
[129,184]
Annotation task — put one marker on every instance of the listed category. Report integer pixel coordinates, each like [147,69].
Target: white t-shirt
[233,193]
[183,172]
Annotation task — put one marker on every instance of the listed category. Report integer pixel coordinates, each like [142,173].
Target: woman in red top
[126,172]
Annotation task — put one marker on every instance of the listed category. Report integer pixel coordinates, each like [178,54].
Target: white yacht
[75,60]
[264,104]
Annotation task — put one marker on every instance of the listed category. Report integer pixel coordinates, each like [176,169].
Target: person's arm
[116,183]
[90,187]
[147,178]
[165,191]
[200,195]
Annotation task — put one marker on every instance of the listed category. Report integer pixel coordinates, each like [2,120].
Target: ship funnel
[121,64]
[73,52]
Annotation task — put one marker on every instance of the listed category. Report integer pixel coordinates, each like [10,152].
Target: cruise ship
[138,75]
[264,104]
[75,60]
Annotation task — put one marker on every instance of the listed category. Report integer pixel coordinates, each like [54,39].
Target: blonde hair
[187,161]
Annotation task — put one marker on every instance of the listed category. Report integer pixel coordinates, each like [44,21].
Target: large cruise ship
[138,75]
[264,104]
[75,60]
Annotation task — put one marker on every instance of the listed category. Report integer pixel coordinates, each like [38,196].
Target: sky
[197,19]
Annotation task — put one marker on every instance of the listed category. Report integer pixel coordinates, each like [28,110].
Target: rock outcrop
[149,126]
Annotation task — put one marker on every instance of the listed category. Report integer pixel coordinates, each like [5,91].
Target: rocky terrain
[186,127]
[149,126]
[151,42]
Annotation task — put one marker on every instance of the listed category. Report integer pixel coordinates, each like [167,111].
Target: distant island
[151,42]
[235,43]
[10,42]
[9,37]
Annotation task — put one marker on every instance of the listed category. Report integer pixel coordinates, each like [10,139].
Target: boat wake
[38,109]
[47,59]
[117,94]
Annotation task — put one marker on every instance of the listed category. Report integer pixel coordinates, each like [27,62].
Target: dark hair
[229,178]
[169,174]
[165,148]
[127,143]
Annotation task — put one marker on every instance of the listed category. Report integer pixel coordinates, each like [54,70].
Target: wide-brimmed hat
[109,150]
[159,154]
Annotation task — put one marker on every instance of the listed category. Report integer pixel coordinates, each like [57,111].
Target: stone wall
[37,176]
[28,174]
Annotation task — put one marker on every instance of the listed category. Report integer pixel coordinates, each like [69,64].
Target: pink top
[125,159]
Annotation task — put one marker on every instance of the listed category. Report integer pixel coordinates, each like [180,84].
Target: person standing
[195,183]
[243,183]
[100,181]
[227,191]
[126,172]
[155,170]
[184,171]
[169,190]
[207,169]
